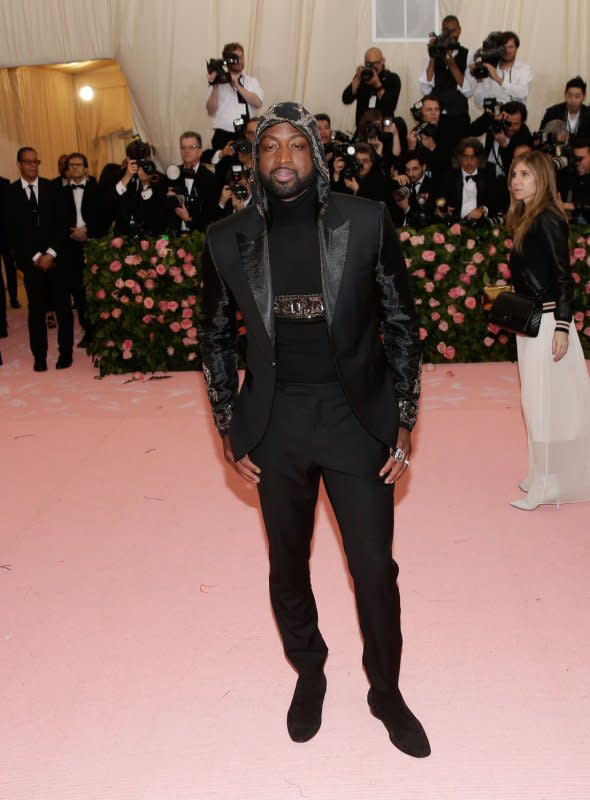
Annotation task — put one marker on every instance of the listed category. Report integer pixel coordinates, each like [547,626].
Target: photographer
[373,87]
[413,193]
[573,111]
[236,193]
[430,137]
[139,195]
[232,94]
[444,76]
[192,198]
[574,185]
[505,129]
[387,137]
[325,128]
[496,72]
[469,190]
[358,173]
[237,151]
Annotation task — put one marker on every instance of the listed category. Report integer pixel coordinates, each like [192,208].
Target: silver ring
[407,462]
[399,454]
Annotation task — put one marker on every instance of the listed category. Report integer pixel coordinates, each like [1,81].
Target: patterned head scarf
[300,118]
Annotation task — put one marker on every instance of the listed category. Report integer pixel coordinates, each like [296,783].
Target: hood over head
[297,116]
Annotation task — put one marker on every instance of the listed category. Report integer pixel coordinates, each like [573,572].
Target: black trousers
[313,433]
[73,264]
[10,267]
[47,290]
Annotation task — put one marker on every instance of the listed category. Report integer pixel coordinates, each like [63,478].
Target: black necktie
[77,185]
[469,178]
[33,198]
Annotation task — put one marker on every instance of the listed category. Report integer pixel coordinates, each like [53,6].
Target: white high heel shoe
[523,504]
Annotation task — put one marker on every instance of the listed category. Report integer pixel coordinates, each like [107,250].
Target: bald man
[373,86]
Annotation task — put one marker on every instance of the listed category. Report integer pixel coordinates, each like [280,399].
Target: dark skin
[285,163]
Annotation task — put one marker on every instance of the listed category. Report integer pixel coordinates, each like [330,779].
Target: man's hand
[403,180]
[338,167]
[477,213]
[412,140]
[493,74]
[392,469]
[79,234]
[243,466]
[131,169]
[428,142]
[237,203]
[376,144]
[182,212]
[226,194]
[559,345]
[45,262]
[228,149]
[352,184]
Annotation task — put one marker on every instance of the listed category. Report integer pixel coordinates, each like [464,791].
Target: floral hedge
[144,297]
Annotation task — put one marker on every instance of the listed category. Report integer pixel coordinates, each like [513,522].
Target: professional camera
[221,67]
[500,126]
[401,193]
[372,130]
[560,153]
[241,146]
[426,129]
[176,175]
[491,52]
[442,206]
[367,74]
[422,217]
[492,106]
[416,110]
[441,45]
[348,153]
[239,191]
[140,152]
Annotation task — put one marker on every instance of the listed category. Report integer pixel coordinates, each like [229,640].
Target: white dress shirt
[78,197]
[516,85]
[230,105]
[469,193]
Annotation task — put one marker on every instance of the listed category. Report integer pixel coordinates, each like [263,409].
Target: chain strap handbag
[518,313]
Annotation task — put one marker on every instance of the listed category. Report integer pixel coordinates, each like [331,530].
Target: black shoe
[15,304]
[51,321]
[3,332]
[304,717]
[63,362]
[405,730]
[40,365]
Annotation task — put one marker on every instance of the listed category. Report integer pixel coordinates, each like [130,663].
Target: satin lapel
[256,263]
[333,249]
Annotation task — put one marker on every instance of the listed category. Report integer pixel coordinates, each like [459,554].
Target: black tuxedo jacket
[418,216]
[486,190]
[201,203]
[559,111]
[93,208]
[366,290]
[24,235]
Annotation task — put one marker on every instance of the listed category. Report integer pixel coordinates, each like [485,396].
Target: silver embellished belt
[299,306]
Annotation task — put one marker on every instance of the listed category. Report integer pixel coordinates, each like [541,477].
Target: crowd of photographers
[443,167]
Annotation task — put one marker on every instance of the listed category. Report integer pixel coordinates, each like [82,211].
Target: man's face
[29,165]
[582,156]
[468,160]
[190,151]
[454,29]
[284,161]
[325,131]
[574,98]
[365,163]
[431,112]
[415,170]
[510,49]
[239,66]
[76,169]
[515,121]
[374,60]
[250,131]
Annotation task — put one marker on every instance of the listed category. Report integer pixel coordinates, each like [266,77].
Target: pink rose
[116,313]
[94,269]
[153,259]
[587,288]
[460,291]
[191,300]
[408,262]
[101,294]
[579,315]
[508,243]
[149,302]
[174,327]
[576,277]
[455,229]
[416,240]
[444,268]
[478,258]
[579,326]
[172,305]
[180,253]
[187,313]
[435,316]
[404,236]
[458,318]
[443,326]
[189,258]
[488,341]
[493,328]
[133,260]
[115,266]
[190,270]
[423,333]
[449,352]
[163,305]
[117,242]
[178,279]
[124,298]
[186,324]
[119,283]
[502,338]
[586,331]
[162,244]
[451,310]
[127,354]
[147,318]
[187,342]
[428,255]
[465,278]
[438,275]
[149,284]
[433,302]
[174,270]
[470,244]
[192,333]
[504,270]
[579,253]
[144,244]
[492,250]
[453,293]
[105,314]
[110,343]
[429,287]
[471,303]
[450,248]
[160,269]
[152,273]
[438,238]
[127,344]
[129,283]
[441,347]
[160,319]
[191,356]
[419,273]
[470,269]
[170,350]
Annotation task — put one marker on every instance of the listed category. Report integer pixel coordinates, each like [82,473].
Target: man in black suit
[470,189]
[139,198]
[35,222]
[85,219]
[9,265]
[193,200]
[414,193]
[319,277]
[573,111]
[373,86]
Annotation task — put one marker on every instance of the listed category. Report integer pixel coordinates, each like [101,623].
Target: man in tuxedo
[573,111]
[414,193]
[470,189]
[86,219]
[323,397]
[35,223]
[139,198]
[193,200]
[9,266]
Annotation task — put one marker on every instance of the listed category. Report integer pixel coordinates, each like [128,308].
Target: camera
[442,206]
[176,175]
[560,153]
[221,67]
[416,110]
[401,193]
[491,52]
[367,74]
[372,130]
[241,146]
[500,126]
[441,45]
[426,129]
[239,191]
[140,152]
[492,106]
[348,153]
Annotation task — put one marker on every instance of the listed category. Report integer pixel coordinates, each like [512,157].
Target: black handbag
[517,313]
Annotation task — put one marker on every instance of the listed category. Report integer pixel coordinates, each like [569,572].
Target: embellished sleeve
[217,338]
[399,321]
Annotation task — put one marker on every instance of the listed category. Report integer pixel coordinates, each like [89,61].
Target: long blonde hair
[521,215]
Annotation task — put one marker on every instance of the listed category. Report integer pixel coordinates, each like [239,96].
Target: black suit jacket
[93,208]
[201,203]
[387,104]
[486,190]
[26,237]
[559,111]
[366,289]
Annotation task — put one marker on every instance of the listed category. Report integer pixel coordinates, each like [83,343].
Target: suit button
[273,363]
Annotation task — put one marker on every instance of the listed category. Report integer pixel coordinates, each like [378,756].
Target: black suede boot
[405,730]
[304,717]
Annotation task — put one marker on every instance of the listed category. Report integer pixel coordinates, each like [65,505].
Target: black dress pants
[312,434]
[73,263]
[47,290]
[10,267]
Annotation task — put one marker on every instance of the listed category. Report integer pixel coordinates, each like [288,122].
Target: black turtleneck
[303,351]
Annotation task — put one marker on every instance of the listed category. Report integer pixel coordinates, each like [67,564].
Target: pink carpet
[139,658]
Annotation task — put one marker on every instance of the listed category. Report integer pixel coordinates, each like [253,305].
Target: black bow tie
[470,177]
[77,185]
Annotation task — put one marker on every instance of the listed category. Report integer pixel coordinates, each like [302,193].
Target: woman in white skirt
[555,386]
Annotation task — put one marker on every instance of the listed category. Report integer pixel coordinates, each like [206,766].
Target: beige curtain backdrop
[299,49]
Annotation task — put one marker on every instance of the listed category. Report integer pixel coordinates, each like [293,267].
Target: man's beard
[291,190]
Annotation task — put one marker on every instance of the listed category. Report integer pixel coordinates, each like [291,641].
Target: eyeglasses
[190,146]
[31,161]
[76,164]
[370,64]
